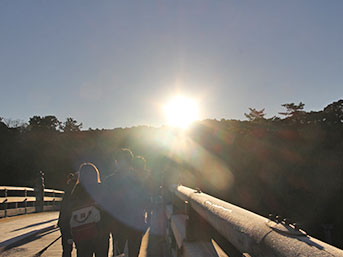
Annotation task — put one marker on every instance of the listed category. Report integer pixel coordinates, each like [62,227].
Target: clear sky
[114,63]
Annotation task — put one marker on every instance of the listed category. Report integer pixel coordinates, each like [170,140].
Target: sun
[181,111]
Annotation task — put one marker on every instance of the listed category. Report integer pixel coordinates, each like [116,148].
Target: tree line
[45,123]
[289,165]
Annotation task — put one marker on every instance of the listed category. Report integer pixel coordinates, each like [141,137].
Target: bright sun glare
[181,111]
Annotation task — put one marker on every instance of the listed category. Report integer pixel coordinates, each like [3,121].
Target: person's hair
[124,154]
[89,169]
[139,163]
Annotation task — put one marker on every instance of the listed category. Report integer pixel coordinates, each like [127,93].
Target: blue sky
[114,63]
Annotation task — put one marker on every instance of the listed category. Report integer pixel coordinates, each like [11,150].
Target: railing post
[168,200]
[5,202]
[39,192]
[25,201]
[188,212]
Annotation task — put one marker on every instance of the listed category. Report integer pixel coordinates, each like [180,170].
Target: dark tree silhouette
[334,113]
[71,125]
[292,109]
[2,124]
[255,115]
[46,123]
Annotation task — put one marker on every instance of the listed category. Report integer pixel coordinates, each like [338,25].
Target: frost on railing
[201,224]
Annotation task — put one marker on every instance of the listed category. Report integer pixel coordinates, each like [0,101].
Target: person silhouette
[126,192]
[64,217]
[87,219]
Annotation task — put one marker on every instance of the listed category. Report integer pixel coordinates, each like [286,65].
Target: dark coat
[65,212]
[127,198]
[77,198]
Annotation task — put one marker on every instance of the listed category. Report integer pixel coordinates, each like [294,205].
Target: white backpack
[84,223]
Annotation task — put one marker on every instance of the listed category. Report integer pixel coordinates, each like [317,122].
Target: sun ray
[181,111]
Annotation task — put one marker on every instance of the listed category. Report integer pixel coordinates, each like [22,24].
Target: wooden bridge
[184,222]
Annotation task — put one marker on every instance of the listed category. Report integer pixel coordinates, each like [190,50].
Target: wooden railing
[22,200]
[202,225]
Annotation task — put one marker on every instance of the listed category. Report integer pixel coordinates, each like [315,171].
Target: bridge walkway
[31,246]
[15,229]
[26,235]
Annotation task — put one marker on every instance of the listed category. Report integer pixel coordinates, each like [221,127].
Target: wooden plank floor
[20,226]
[152,241]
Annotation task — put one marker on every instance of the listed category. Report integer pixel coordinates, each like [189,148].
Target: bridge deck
[36,243]
[14,229]
[27,234]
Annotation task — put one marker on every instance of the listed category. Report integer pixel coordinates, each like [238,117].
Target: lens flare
[181,111]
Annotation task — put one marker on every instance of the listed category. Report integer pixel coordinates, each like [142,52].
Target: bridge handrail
[251,233]
[15,188]
[53,191]
[21,200]
[17,199]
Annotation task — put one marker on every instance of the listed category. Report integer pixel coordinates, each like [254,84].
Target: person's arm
[65,216]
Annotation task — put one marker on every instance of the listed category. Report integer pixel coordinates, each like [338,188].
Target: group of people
[119,205]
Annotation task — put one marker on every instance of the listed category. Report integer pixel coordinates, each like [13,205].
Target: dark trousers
[121,233]
[98,246]
[67,248]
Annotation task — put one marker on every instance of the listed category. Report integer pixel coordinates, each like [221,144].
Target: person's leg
[66,247]
[84,249]
[135,238]
[119,236]
[101,246]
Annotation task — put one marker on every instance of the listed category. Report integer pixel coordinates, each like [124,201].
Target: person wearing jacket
[129,199]
[64,217]
[86,217]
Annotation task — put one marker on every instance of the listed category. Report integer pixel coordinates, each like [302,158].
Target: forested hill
[290,165]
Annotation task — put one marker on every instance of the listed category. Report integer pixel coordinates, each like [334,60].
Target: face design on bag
[82,217]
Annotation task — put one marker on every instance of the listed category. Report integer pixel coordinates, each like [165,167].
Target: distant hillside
[291,166]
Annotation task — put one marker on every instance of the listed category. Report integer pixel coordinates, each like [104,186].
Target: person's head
[124,159]
[139,164]
[70,178]
[88,174]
